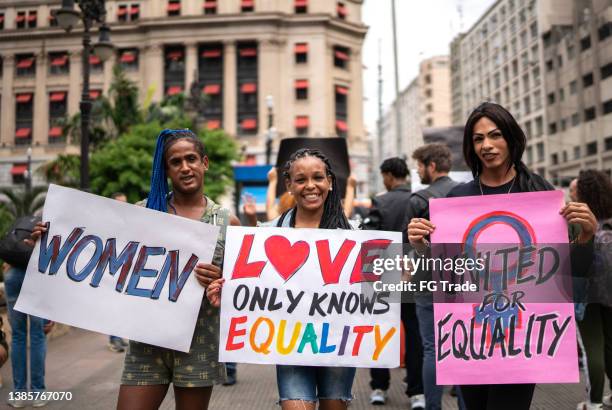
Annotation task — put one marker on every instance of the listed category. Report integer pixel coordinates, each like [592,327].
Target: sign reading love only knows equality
[117,269]
[296,296]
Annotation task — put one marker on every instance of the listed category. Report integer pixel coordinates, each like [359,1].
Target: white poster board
[299,296]
[118,269]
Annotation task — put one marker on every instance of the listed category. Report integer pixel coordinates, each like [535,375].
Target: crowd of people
[493,147]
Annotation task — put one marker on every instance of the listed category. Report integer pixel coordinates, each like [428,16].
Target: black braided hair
[333,214]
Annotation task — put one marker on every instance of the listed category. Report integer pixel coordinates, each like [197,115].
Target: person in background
[389,212]
[115,343]
[13,279]
[595,189]
[573,190]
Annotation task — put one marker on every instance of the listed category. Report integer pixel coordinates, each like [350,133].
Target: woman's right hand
[272,175]
[38,230]
[418,229]
[213,292]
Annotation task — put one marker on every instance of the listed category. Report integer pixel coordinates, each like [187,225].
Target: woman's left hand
[580,213]
[206,273]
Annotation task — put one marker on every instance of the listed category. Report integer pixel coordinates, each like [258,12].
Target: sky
[425,28]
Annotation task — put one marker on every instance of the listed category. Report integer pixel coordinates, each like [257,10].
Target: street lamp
[270,105]
[92,11]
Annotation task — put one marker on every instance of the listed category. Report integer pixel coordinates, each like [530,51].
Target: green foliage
[122,106]
[19,202]
[64,170]
[6,219]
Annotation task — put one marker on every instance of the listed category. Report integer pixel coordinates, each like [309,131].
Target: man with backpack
[390,212]
[433,166]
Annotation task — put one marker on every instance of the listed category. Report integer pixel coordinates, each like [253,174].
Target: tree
[64,170]
[20,202]
[124,165]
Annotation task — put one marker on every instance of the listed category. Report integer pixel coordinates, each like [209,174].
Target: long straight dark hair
[333,214]
[509,128]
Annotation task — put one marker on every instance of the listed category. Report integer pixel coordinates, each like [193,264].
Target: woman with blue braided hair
[148,370]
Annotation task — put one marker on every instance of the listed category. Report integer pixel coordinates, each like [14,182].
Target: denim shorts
[310,383]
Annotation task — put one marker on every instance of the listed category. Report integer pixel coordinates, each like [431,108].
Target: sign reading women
[297,296]
[118,269]
[506,337]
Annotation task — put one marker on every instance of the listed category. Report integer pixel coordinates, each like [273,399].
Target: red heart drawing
[286,258]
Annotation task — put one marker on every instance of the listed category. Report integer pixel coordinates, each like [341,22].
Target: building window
[589,114]
[210,76]
[341,101]
[23,118]
[563,124]
[552,128]
[57,113]
[587,80]
[554,159]
[571,52]
[59,63]
[551,98]
[301,89]
[122,13]
[575,119]
[21,19]
[25,65]
[95,64]
[174,8]
[174,70]
[540,151]
[564,156]
[561,94]
[52,18]
[128,59]
[2,21]
[607,107]
[301,125]
[591,148]
[341,10]
[210,7]
[605,30]
[529,155]
[539,124]
[341,57]
[247,75]
[247,5]
[32,17]
[573,86]
[585,43]
[608,143]
[300,6]
[606,71]
[301,53]
[550,65]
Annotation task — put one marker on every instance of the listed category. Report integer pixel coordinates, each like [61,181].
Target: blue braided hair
[158,195]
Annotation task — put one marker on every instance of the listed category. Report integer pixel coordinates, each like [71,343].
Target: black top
[471,189]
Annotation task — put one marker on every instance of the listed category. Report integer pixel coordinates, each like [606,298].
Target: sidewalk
[81,363]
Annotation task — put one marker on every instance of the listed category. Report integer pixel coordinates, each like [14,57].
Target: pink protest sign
[485,343]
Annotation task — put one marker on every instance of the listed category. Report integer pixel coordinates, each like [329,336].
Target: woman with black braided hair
[309,178]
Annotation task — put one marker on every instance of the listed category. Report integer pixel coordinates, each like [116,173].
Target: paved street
[79,362]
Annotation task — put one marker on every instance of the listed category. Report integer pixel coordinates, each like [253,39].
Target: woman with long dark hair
[309,178]
[493,145]
[595,189]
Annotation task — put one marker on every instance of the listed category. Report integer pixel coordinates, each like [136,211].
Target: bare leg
[297,405]
[141,397]
[333,405]
[192,398]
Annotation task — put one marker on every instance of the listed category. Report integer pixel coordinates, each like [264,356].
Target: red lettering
[242,268]
[360,330]
[358,274]
[330,270]
[233,332]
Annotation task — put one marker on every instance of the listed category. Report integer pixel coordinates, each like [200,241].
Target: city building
[548,62]
[499,59]
[305,54]
[577,47]
[425,103]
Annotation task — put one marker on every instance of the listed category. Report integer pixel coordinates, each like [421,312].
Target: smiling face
[185,167]
[309,183]
[490,145]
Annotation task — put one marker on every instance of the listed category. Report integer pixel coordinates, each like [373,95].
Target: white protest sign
[299,296]
[118,269]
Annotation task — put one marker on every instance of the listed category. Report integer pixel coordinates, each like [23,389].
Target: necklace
[511,185]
